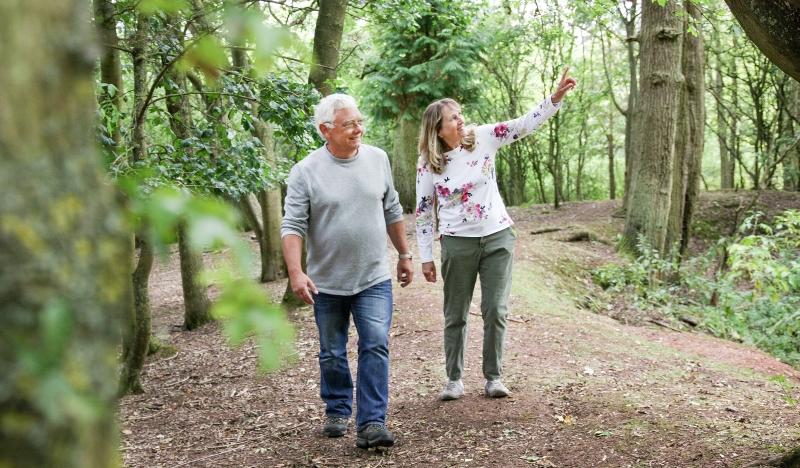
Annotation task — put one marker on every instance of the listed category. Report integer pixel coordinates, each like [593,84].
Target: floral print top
[469,202]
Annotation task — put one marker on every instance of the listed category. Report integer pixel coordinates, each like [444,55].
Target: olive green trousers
[464,259]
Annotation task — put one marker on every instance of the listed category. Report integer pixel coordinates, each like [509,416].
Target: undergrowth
[745,288]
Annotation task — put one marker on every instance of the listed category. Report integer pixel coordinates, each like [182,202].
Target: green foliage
[150,7]
[755,299]
[424,54]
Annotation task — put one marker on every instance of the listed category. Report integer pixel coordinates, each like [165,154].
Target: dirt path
[587,389]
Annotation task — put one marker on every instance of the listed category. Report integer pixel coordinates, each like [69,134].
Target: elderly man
[342,201]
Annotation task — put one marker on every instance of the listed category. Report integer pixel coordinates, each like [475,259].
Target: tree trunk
[268,232]
[327,42]
[404,159]
[723,129]
[139,142]
[612,180]
[772,26]
[136,336]
[655,125]
[110,67]
[136,341]
[63,282]
[197,306]
[694,91]
[633,97]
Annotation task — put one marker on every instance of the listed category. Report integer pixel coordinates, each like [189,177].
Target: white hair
[327,107]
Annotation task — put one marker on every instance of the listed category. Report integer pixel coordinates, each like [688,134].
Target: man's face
[344,137]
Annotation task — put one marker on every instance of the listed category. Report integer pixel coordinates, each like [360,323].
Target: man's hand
[429,271]
[302,286]
[566,85]
[405,272]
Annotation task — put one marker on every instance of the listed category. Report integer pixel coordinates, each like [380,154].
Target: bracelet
[405,256]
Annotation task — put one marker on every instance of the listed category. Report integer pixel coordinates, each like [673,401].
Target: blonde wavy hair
[431,146]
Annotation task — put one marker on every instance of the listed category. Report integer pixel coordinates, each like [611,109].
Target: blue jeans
[372,315]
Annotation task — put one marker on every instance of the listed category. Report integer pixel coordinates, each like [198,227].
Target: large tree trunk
[655,124]
[404,159]
[63,281]
[693,70]
[773,26]
[327,41]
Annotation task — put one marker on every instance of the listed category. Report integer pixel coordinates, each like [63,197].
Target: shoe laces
[452,385]
[374,427]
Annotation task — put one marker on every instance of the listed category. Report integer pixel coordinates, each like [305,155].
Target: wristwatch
[405,256]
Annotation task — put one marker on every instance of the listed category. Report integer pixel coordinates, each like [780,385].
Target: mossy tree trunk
[64,282]
[110,66]
[136,339]
[327,44]
[655,124]
[136,327]
[404,158]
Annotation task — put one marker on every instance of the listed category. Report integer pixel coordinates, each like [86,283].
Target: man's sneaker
[453,390]
[374,435]
[495,389]
[335,426]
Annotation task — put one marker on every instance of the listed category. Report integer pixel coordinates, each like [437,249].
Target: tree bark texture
[139,142]
[63,283]
[726,160]
[197,306]
[136,341]
[774,27]
[655,124]
[633,97]
[110,66]
[612,179]
[695,115]
[404,159]
[327,44]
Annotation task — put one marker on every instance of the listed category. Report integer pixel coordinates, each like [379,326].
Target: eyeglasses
[349,125]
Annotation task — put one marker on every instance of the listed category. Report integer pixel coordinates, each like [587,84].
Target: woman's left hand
[566,85]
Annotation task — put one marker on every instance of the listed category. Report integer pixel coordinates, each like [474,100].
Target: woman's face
[452,128]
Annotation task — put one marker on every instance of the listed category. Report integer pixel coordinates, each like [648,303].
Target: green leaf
[149,7]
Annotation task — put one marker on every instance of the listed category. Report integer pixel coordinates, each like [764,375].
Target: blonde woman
[456,170]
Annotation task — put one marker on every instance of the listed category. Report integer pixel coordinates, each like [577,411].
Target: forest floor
[588,390]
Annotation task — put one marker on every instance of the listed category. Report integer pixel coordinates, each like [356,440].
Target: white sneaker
[453,390]
[495,389]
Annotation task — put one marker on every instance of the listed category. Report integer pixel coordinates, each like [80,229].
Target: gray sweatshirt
[341,207]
